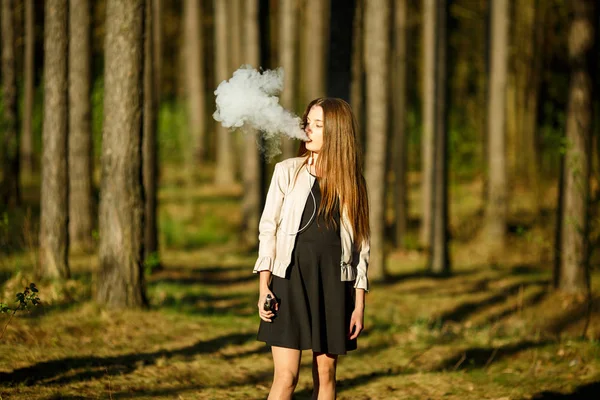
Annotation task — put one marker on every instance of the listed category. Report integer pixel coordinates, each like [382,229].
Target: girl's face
[314,129]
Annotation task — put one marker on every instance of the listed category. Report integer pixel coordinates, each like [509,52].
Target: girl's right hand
[262,313]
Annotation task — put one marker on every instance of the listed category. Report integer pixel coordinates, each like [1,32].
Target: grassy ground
[487,332]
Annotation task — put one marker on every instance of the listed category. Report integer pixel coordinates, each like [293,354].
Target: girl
[314,251]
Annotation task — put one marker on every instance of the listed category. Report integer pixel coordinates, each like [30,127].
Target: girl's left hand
[356,323]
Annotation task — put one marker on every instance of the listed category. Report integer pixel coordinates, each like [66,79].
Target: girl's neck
[312,165]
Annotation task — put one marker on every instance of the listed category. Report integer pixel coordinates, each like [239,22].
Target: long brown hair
[340,166]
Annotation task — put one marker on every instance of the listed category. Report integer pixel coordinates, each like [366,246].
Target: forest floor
[486,332]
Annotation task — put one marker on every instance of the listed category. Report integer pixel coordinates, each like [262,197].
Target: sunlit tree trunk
[194,74]
[287,60]
[356,84]
[28,91]
[54,201]
[377,14]
[439,260]
[429,78]
[251,162]
[157,51]
[80,127]
[399,96]
[9,188]
[575,249]
[120,281]
[225,173]
[495,219]
[149,151]
[314,47]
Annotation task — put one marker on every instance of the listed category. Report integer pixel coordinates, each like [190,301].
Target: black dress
[315,305]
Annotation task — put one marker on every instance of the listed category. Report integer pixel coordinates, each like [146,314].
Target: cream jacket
[289,190]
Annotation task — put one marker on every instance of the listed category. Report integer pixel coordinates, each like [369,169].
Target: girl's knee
[286,378]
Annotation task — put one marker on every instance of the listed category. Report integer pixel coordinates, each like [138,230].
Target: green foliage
[172,131]
[177,234]
[151,263]
[29,296]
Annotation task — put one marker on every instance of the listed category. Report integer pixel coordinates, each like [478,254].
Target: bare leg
[324,366]
[287,367]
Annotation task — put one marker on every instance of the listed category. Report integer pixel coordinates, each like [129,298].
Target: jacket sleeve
[362,282]
[269,221]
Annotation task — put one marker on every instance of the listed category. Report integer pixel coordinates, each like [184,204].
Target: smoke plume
[249,100]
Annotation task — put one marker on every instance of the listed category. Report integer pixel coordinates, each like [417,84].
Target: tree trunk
[54,200]
[495,218]
[429,102]
[575,249]
[9,188]
[251,165]
[358,73]
[376,62]
[225,173]
[314,48]
[120,278]
[157,48]
[29,91]
[439,261]
[288,34]
[195,80]
[80,128]
[399,96]
[149,152]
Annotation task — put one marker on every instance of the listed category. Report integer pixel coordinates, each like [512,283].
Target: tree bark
[157,48]
[495,218]
[251,164]
[225,172]
[149,151]
[439,261]
[314,48]
[28,90]
[195,80]
[54,200]
[288,35]
[575,249]
[80,129]
[399,96]
[429,101]
[358,73]
[10,187]
[377,14]
[120,276]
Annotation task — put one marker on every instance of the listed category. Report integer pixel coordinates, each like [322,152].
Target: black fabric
[315,305]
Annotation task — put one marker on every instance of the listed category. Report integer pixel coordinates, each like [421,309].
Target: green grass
[484,333]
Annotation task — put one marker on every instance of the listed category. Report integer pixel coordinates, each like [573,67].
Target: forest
[129,215]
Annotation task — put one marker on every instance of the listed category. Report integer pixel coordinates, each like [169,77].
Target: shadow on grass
[482,357]
[464,310]
[54,372]
[207,276]
[395,278]
[586,392]
[209,304]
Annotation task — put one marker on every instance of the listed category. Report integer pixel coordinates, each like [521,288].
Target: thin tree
[225,173]
[28,90]
[157,44]
[149,150]
[194,76]
[399,96]
[251,164]
[9,187]
[377,14]
[288,37]
[120,281]
[439,260]
[495,216]
[574,246]
[54,201]
[314,48]
[429,99]
[80,127]
[357,72]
